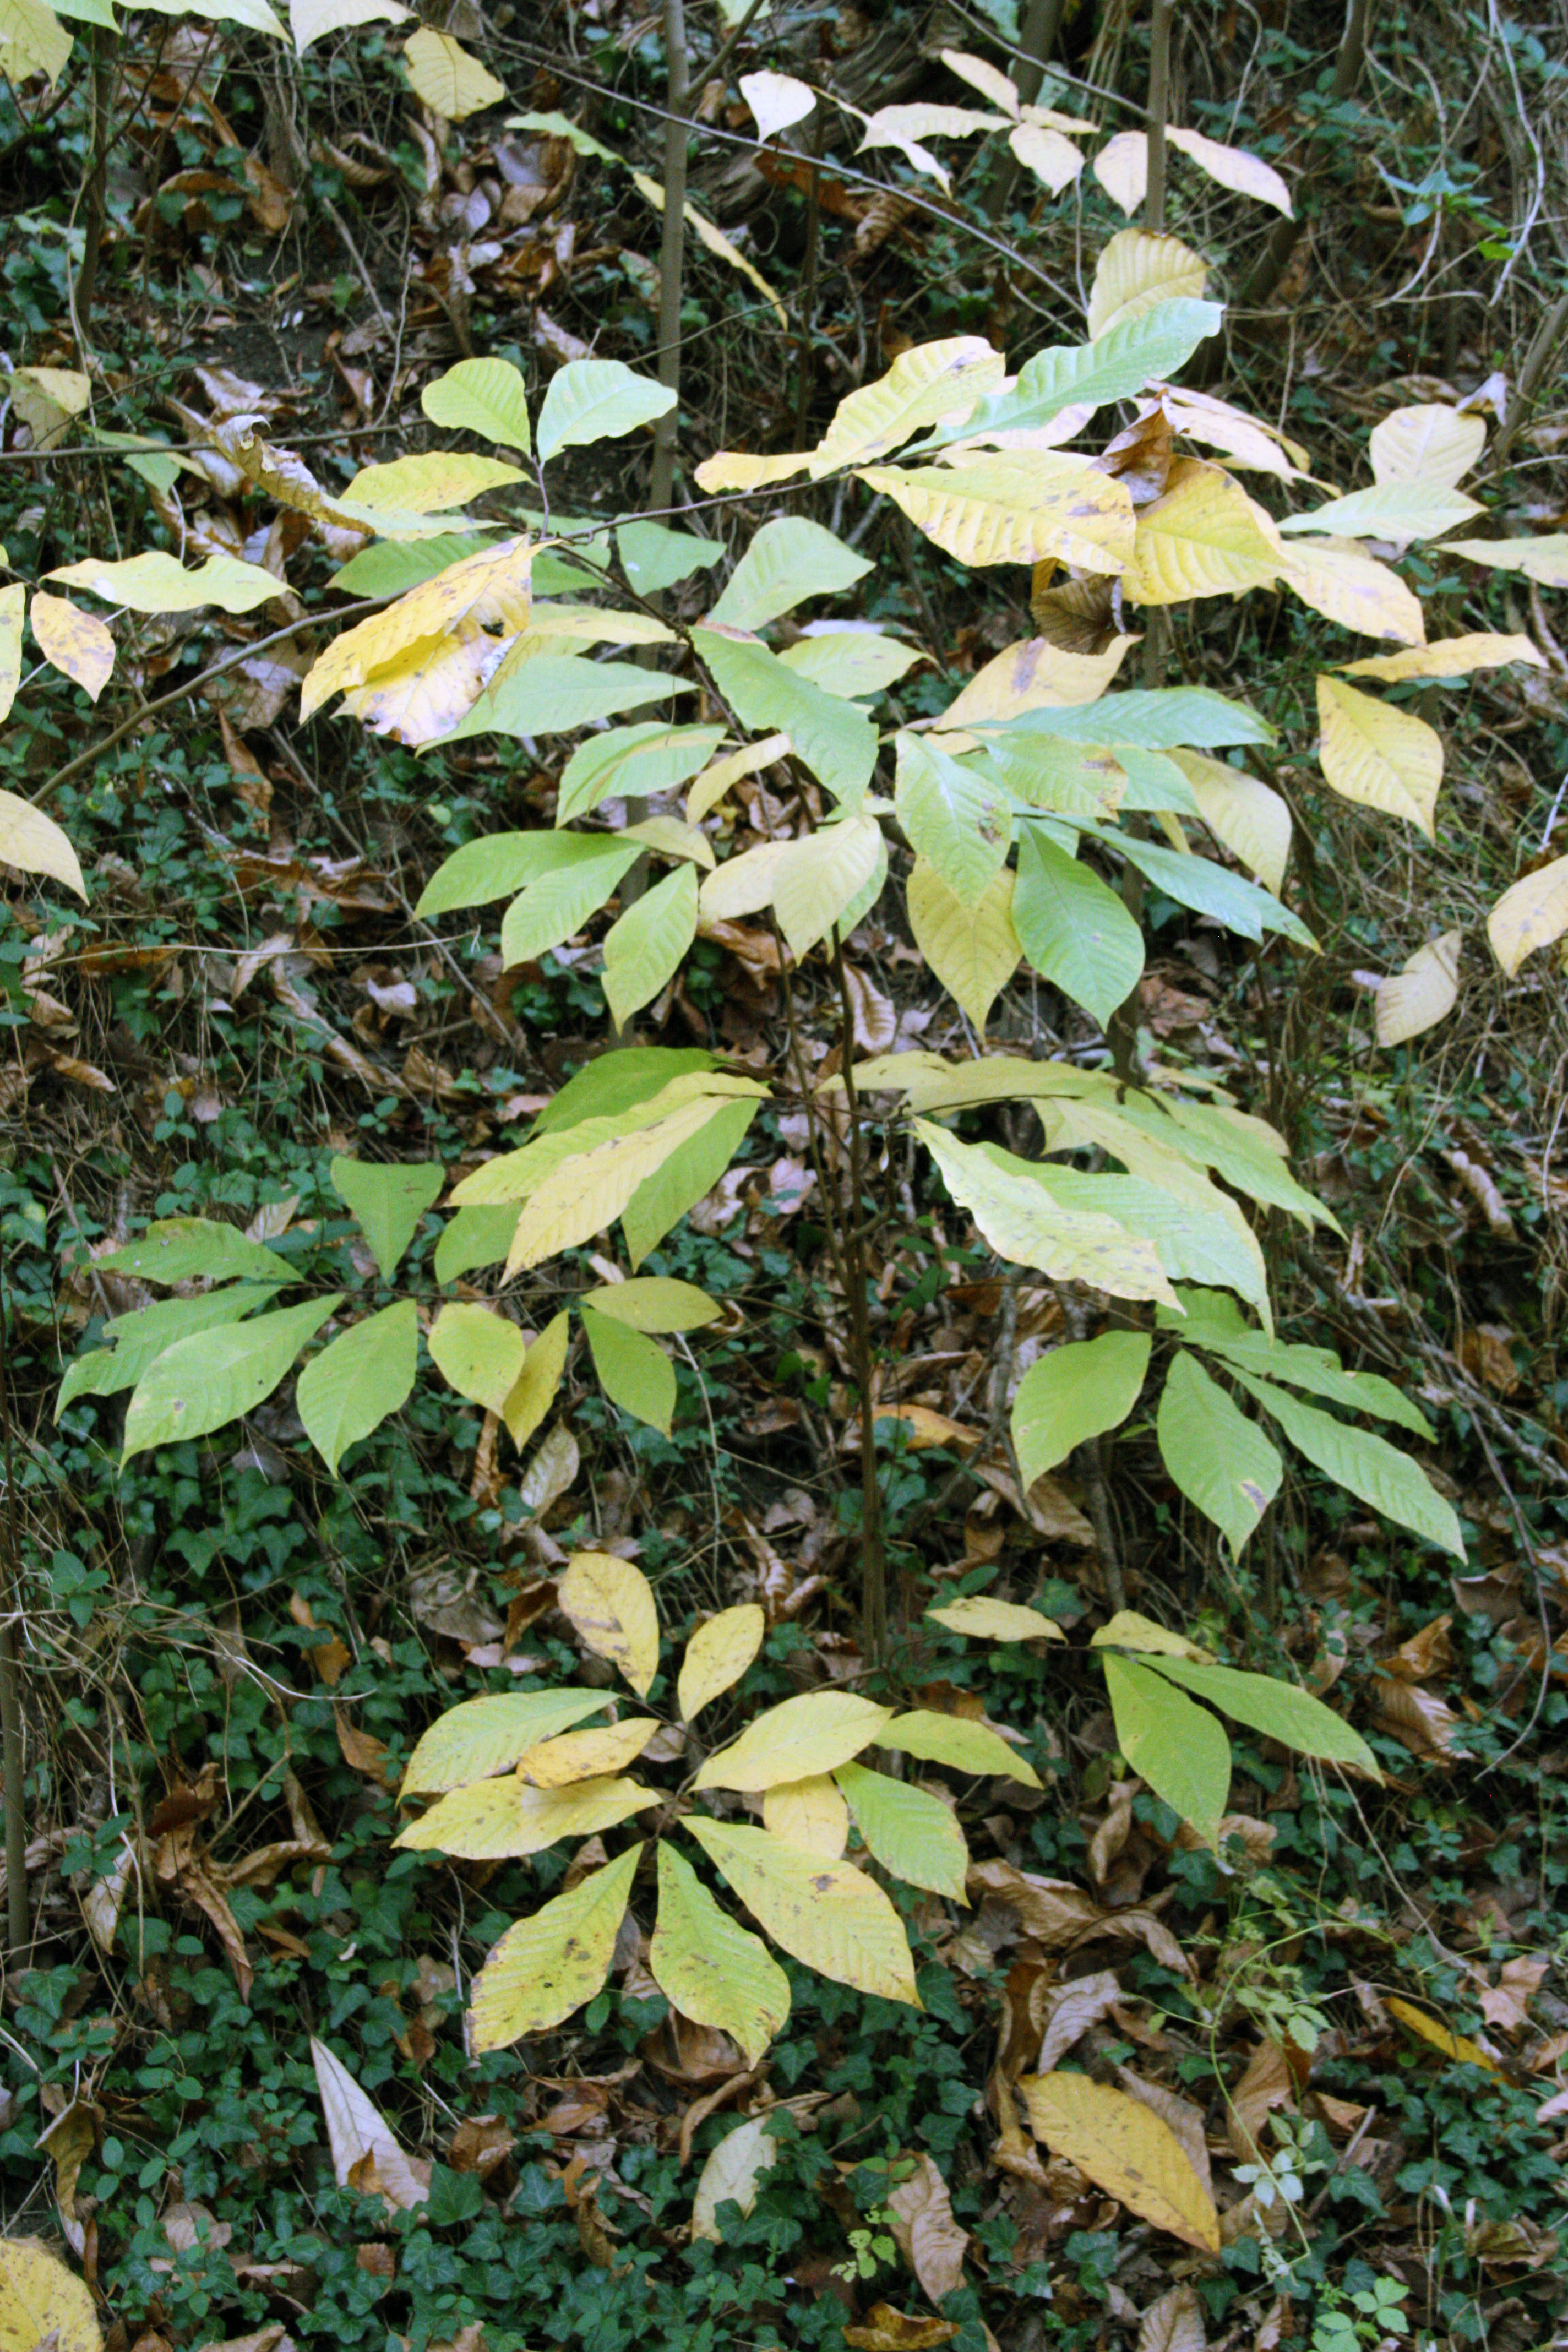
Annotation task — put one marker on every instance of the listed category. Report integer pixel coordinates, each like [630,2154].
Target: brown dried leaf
[886,2330]
[1417,1718]
[926,2234]
[1072,2008]
[1175,2324]
[1266,2084]
[1507,2003]
[1052,1910]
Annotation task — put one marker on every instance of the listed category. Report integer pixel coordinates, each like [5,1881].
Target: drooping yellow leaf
[75,643]
[1259,448]
[826,1913]
[1126,2149]
[358,2131]
[451,83]
[1137,269]
[1249,818]
[33,843]
[1233,167]
[717,1655]
[1014,507]
[1544,559]
[985,1619]
[713,782]
[798,1737]
[904,127]
[932,383]
[1433,443]
[533,1391]
[46,398]
[478,1352]
[1449,658]
[479,593]
[708,1967]
[1339,579]
[492,1821]
[1530,915]
[484,1736]
[955,1742]
[716,243]
[1423,993]
[1053,159]
[586,1193]
[580,1755]
[41,2302]
[738,469]
[546,1966]
[1035,675]
[1438,2036]
[1380,756]
[972,949]
[611,1604]
[776,100]
[154,582]
[1121,167]
[809,1813]
[1203,537]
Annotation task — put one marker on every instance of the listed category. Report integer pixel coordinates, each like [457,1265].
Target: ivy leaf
[358,1380]
[708,1967]
[545,1967]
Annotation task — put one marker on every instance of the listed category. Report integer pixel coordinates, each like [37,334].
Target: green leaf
[1277,1710]
[486,396]
[826,1914]
[1321,1374]
[907,1830]
[185,1249]
[851,660]
[1074,929]
[619,1080]
[656,1302]
[954,1740]
[359,1377]
[548,694]
[477,1351]
[634,1371]
[475,1236]
[390,567]
[789,559]
[708,1967]
[1154,782]
[558,905]
[214,1377]
[1180,1751]
[546,1966]
[1075,780]
[1154,718]
[654,558]
[501,863]
[823,880]
[388,1197]
[836,739]
[953,815]
[1073,1394]
[140,1338]
[1025,1223]
[643,948]
[597,400]
[484,1735]
[1376,1472]
[1113,367]
[638,762]
[1220,1461]
[1227,1142]
[1194,881]
[1195,1242]
[687,1176]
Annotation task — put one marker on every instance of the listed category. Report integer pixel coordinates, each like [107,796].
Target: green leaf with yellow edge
[1280,1710]
[492,1734]
[155,581]
[585,1755]
[982,1619]
[1074,1393]
[477,1351]
[954,1740]
[487,396]
[388,1197]
[1180,1751]
[495,1820]
[828,1915]
[1126,2149]
[31,841]
[794,1739]
[42,2301]
[532,1392]
[709,1968]
[1221,1462]
[908,1831]
[634,1371]
[546,1966]
[216,1377]
[717,1655]
[653,1302]
[644,946]
[359,1377]
[610,1603]
[973,948]
[809,1813]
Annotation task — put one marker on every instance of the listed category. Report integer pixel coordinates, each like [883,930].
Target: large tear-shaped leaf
[1074,1393]
[1277,1710]
[358,1380]
[548,694]
[644,946]
[484,1736]
[1449,658]
[558,905]
[30,840]
[929,384]
[837,741]
[1379,755]
[718,1655]
[1145,346]
[814,1733]
[953,816]
[634,1371]
[388,1197]
[141,1338]
[826,1913]
[1421,994]
[634,762]
[1126,2149]
[1544,559]
[610,1603]
[1250,819]
[1219,1460]
[1179,1749]
[453,84]
[505,1819]
[959,1742]
[1376,1472]
[686,1176]
[1529,915]
[597,400]
[478,1350]
[212,1377]
[1136,272]
[1340,580]
[823,880]
[585,1194]
[1017,507]
[909,1832]
[1391,510]
[789,559]
[1433,443]
[1074,929]
[546,1966]
[1203,537]
[1213,890]
[974,950]
[185,1249]
[154,582]
[1024,1223]
[708,1967]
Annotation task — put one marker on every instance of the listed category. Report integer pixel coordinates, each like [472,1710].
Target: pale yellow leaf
[451,83]
[1432,2031]
[985,1619]
[988,80]
[798,1738]
[1244,439]
[1130,1630]
[477,1351]
[1449,658]
[713,782]
[546,1966]
[1422,993]
[1015,507]
[33,842]
[956,1740]
[716,242]
[1137,269]
[586,1192]
[717,1655]
[484,1736]
[1053,159]
[974,949]
[1035,675]
[442,478]
[810,1813]
[1121,167]
[356,2129]
[611,1604]
[313,20]
[1544,559]
[1252,820]
[1433,444]
[41,2302]
[932,383]
[823,875]
[426,691]
[495,1820]
[533,1391]
[1022,1222]
[737,469]
[1203,537]
[904,127]
[731,2175]
[13,602]
[1340,580]
[1233,167]
[742,884]
[32,40]
[828,1915]
[154,582]
[1529,915]
[776,100]
[1126,2149]
[46,399]
[580,1755]
[479,593]
[75,643]
[1377,755]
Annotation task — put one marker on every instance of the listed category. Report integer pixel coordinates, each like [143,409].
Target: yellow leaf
[798,1738]
[46,399]
[40,2301]
[1014,507]
[1035,675]
[34,842]
[13,602]
[933,383]
[1128,1630]
[955,1742]
[479,593]
[1203,537]
[546,1966]
[823,875]
[1053,161]
[1126,2149]
[716,242]
[1530,915]
[1340,580]
[1121,167]
[488,1734]
[153,581]
[451,83]
[32,40]
[1423,993]
[445,477]
[580,1755]
[1378,756]
[904,127]
[358,2131]
[1233,168]
[478,1352]
[717,1655]
[494,1820]
[731,2175]
[653,1302]
[1449,658]
[587,1193]
[1458,2046]
[708,1967]
[713,782]
[826,1913]
[809,1813]
[1433,443]
[987,78]
[1544,559]
[533,1391]
[1259,448]
[610,1602]
[997,1620]
[972,949]
[737,469]
[1136,270]
[76,644]
[426,691]
[1022,1222]
[1251,820]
